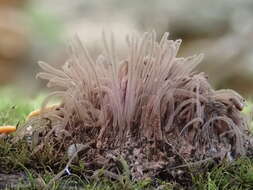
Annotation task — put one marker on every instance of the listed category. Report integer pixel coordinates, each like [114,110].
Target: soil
[20,180]
[13,180]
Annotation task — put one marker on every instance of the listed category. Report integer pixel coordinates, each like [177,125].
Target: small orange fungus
[7,129]
[38,112]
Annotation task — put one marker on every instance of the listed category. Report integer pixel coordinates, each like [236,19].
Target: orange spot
[38,112]
[7,129]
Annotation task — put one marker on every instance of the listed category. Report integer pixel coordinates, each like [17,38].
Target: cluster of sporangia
[149,108]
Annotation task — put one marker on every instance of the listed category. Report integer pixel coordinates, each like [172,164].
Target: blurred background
[42,29]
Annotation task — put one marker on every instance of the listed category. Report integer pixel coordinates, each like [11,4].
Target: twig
[189,164]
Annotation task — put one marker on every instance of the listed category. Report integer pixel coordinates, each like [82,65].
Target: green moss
[14,110]
[236,175]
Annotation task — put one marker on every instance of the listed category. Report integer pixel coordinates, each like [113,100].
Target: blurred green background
[42,29]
